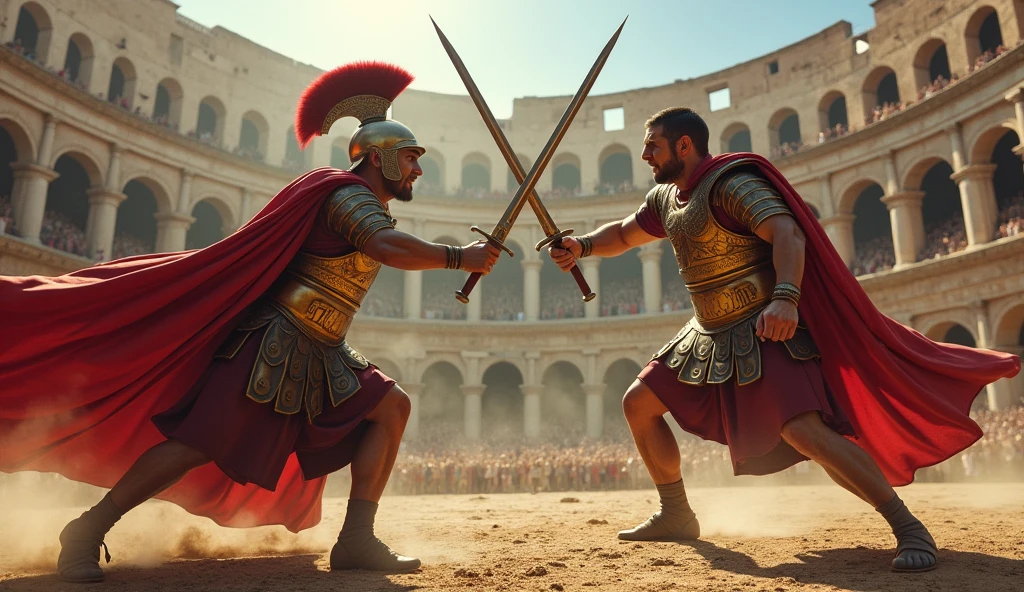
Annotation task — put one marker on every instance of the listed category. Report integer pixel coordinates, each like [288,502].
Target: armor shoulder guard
[655,199]
[748,197]
[355,213]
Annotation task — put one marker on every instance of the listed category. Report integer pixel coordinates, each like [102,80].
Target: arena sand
[754,539]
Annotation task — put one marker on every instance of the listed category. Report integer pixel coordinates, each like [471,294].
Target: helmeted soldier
[785,358]
[254,394]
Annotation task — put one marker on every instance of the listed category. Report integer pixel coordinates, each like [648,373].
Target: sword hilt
[463,294]
[556,241]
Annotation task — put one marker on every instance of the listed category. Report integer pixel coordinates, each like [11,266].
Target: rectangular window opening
[614,119]
[719,99]
[773,67]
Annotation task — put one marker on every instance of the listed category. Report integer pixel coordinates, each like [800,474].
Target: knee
[188,458]
[398,406]
[804,433]
[640,402]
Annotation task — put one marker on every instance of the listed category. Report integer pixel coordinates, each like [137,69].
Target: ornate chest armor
[306,314]
[730,276]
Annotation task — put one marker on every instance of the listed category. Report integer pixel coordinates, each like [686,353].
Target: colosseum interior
[127,128]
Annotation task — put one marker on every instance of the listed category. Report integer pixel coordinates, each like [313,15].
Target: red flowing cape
[907,396]
[89,357]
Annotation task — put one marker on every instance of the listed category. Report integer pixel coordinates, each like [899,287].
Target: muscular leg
[357,546]
[645,415]
[157,469]
[854,469]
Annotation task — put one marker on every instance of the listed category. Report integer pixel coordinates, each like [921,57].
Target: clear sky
[530,47]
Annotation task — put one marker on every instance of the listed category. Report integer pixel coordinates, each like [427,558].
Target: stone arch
[616,168]
[849,195]
[619,375]
[502,297]
[67,203]
[880,86]
[784,127]
[814,210]
[941,212]
[24,148]
[441,401]
[339,154]
[982,146]
[253,137]
[938,329]
[622,283]
[502,402]
[214,219]
[167,104]
[565,173]
[210,120]
[982,33]
[832,111]
[438,291]
[563,404]
[86,158]
[915,173]
[389,367]
[79,60]
[476,172]
[872,231]
[1009,326]
[1007,179]
[930,62]
[433,165]
[34,31]
[736,138]
[511,185]
[135,231]
[121,90]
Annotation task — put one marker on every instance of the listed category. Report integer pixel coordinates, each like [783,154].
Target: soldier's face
[409,166]
[662,157]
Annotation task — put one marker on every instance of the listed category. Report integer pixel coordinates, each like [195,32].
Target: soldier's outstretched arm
[402,250]
[610,240]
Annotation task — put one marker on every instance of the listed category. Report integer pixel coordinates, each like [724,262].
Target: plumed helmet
[364,90]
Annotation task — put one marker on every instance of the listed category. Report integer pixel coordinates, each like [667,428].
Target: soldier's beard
[670,171]
[401,190]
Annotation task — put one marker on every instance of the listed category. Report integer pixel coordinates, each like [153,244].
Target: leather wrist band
[586,245]
[787,291]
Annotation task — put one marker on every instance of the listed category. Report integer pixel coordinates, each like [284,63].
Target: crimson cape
[89,357]
[907,396]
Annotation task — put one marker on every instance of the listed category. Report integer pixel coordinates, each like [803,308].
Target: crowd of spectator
[874,255]
[128,245]
[787,149]
[1011,217]
[441,461]
[60,232]
[674,296]
[439,303]
[608,188]
[944,238]
[561,301]
[500,304]
[622,297]
[382,302]
[831,133]
[249,152]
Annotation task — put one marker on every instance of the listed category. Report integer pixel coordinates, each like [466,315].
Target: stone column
[413,294]
[1007,391]
[46,142]
[103,205]
[1017,98]
[595,409]
[892,181]
[531,410]
[650,258]
[475,302]
[185,192]
[994,392]
[414,390]
[840,231]
[978,200]
[957,146]
[905,217]
[531,288]
[472,411]
[171,230]
[30,184]
[828,209]
[244,210]
[591,270]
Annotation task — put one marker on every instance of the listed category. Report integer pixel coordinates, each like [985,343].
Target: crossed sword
[527,182]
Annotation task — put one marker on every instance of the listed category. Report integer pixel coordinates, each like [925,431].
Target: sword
[501,230]
[547,224]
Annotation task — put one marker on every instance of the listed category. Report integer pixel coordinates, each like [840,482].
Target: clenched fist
[778,321]
[565,254]
[479,257]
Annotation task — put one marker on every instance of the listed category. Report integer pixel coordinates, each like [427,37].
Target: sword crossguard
[493,240]
[556,240]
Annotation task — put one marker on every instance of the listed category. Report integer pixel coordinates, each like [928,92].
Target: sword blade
[547,223]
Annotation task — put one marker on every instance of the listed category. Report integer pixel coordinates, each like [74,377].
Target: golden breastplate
[729,276]
[322,295]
